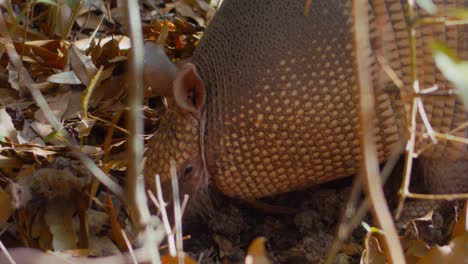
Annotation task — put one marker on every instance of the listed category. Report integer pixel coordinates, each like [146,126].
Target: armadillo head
[179,135]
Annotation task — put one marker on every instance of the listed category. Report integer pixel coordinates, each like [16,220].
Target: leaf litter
[49,200]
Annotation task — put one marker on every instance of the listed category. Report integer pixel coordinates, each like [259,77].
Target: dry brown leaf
[91,21]
[9,163]
[414,250]
[84,127]
[107,51]
[59,218]
[9,97]
[373,252]
[455,252]
[351,249]
[82,65]
[29,149]
[58,104]
[74,108]
[47,53]
[68,77]
[185,10]
[34,133]
[7,129]
[64,14]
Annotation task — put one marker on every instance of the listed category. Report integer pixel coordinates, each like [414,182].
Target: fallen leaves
[419,251]
[75,54]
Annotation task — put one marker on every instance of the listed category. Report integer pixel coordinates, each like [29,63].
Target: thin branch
[447,197]
[161,204]
[135,188]
[74,13]
[177,211]
[129,247]
[7,254]
[369,162]
[137,203]
[351,217]
[409,156]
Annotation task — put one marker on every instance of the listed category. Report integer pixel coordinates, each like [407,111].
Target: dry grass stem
[440,20]
[390,72]
[369,164]
[75,8]
[129,247]
[184,204]
[408,162]
[7,254]
[351,217]
[410,147]
[418,107]
[161,205]
[177,211]
[121,129]
[93,35]
[136,199]
[448,197]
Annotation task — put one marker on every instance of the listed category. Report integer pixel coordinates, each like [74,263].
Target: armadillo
[269,103]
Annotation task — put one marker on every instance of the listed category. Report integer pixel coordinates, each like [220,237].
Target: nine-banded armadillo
[270,104]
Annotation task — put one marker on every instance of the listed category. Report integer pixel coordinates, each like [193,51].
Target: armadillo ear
[189,89]
[159,72]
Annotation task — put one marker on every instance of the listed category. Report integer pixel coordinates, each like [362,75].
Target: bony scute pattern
[284,116]
[281,110]
[177,138]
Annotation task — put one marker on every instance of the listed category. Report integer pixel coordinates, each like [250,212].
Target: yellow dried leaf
[166,259]
[256,254]
[462,225]
[5,204]
[455,252]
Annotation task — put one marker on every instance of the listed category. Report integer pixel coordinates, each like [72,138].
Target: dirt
[299,237]
[302,236]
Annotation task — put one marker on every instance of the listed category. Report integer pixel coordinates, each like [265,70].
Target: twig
[129,247]
[351,217]
[137,203]
[448,197]
[441,20]
[75,8]
[7,254]
[161,205]
[390,72]
[409,156]
[177,211]
[184,204]
[369,163]
[135,189]
[109,123]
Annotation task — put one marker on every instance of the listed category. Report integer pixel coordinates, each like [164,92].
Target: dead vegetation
[69,79]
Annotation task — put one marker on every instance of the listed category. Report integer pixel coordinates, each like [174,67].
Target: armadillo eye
[188,170]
